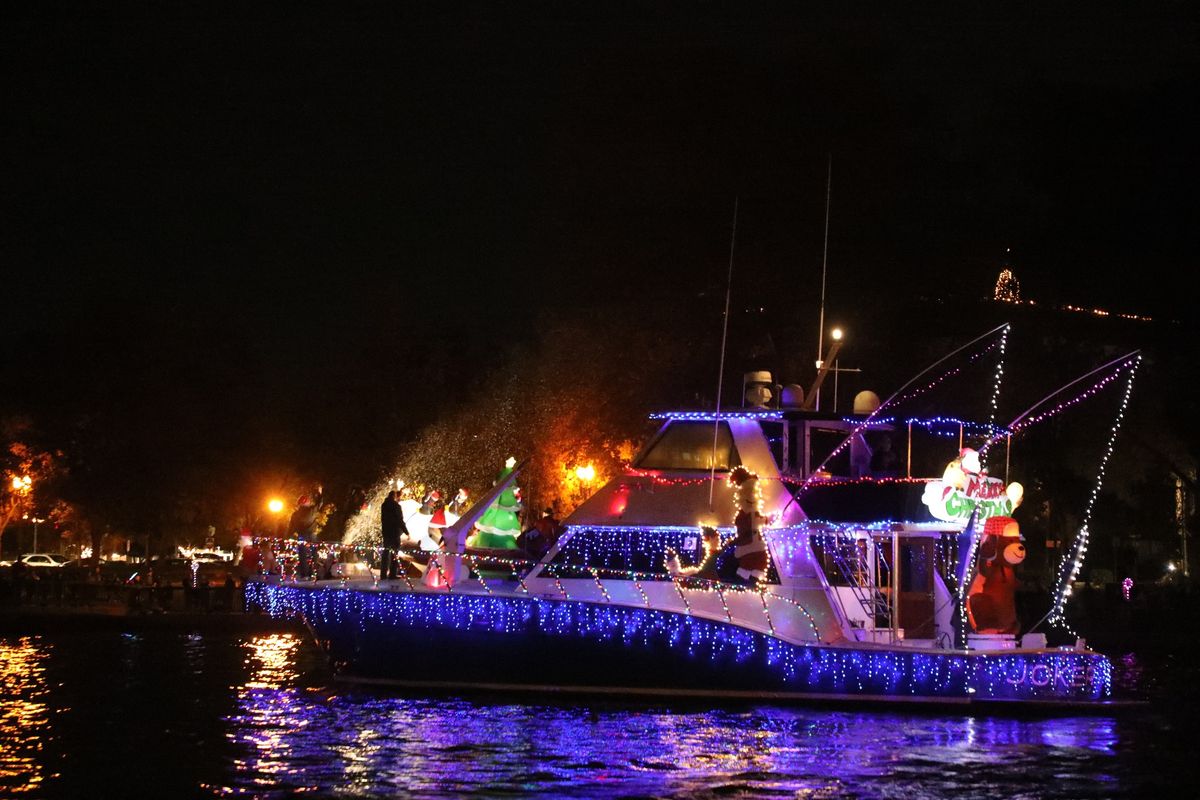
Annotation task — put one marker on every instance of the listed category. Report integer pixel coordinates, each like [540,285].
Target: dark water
[162,714]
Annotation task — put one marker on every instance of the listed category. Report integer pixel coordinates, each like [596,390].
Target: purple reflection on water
[290,739]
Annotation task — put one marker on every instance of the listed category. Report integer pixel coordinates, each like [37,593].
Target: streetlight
[275,506]
[584,475]
[35,521]
[23,485]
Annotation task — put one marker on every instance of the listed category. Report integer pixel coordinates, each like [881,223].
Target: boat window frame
[735,458]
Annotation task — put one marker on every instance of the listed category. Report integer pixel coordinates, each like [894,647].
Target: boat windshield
[689,445]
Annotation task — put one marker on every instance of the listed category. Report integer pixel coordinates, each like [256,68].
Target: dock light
[836,333]
[585,474]
[275,505]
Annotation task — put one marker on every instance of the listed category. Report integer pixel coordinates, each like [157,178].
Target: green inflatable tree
[499,526]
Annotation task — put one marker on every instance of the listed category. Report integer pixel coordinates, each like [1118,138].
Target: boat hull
[521,641]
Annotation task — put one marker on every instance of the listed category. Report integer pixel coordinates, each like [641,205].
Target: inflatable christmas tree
[499,526]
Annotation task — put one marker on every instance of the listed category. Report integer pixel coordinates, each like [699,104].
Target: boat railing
[690,595]
[757,606]
[851,559]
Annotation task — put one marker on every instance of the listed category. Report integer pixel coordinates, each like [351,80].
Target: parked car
[43,560]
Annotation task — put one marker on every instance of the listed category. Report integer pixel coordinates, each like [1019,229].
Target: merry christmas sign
[965,487]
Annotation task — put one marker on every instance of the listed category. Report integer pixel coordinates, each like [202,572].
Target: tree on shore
[577,396]
[27,473]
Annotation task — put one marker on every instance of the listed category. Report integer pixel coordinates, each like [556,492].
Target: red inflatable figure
[991,603]
[748,546]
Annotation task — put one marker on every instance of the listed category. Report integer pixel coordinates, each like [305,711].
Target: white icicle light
[1067,577]
[973,554]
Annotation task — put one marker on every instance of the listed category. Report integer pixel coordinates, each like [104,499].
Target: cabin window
[689,445]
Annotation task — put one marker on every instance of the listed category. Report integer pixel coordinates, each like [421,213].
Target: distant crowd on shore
[157,585]
[315,552]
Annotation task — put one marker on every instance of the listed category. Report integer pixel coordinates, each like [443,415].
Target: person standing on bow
[458,506]
[303,526]
[392,523]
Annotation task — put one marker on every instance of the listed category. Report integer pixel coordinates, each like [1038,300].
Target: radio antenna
[824,262]
[712,474]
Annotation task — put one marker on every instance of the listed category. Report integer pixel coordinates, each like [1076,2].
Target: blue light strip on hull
[1042,676]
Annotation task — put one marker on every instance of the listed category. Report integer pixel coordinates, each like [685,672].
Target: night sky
[224,221]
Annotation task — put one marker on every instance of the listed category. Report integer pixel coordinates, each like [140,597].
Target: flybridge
[716,416]
[805,443]
[937,423]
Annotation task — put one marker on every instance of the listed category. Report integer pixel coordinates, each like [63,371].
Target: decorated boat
[769,551]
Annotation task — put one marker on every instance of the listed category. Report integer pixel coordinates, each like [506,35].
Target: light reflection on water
[225,714]
[364,744]
[24,715]
[271,713]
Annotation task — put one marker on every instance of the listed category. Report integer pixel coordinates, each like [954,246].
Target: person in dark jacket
[303,526]
[392,523]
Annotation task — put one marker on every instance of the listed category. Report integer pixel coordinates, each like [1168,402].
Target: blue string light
[635,549]
[342,616]
[933,424]
[711,416]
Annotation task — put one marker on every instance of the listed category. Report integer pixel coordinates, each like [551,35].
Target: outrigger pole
[1064,579]
[712,473]
[1020,417]
[1010,428]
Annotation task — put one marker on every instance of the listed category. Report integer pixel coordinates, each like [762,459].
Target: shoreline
[35,620]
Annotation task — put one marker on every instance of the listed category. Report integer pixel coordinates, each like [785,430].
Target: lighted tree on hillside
[1008,288]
